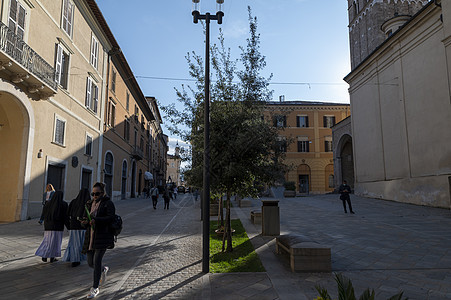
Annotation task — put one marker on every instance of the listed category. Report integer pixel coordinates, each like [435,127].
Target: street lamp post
[206,172]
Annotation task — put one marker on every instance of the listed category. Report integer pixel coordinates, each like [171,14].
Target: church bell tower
[372,21]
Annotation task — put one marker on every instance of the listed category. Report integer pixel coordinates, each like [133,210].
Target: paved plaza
[387,246]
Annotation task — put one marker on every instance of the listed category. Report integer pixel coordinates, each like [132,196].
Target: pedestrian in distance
[99,236]
[196,194]
[49,190]
[167,198]
[154,195]
[55,218]
[77,231]
[175,192]
[345,190]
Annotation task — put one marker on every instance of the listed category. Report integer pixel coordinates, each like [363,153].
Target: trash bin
[270,217]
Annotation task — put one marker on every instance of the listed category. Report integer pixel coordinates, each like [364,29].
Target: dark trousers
[95,261]
[166,203]
[154,201]
[349,204]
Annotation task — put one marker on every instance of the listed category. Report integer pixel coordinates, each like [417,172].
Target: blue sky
[304,41]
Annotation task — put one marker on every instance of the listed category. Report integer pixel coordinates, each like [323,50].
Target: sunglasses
[96,194]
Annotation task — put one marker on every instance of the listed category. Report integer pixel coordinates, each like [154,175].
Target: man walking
[154,195]
[344,190]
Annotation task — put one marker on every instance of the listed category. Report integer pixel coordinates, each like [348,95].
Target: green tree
[244,147]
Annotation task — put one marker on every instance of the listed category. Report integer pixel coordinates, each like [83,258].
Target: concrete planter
[289,194]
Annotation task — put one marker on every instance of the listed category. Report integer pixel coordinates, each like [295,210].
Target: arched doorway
[133,187]
[124,180]
[329,178]
[346,160]
[16,127]
[108,177]
[304,176]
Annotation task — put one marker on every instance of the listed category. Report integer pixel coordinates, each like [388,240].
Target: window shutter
[298,121]
[88,149]
[13,15]
[332,121]
[284,121]
[113,115]
[59,131]
[58,63]
[88,92]
[306,121]
[95,100]
[324,122]
[21,22]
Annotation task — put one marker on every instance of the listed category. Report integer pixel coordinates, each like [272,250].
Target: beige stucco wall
[401,112]
[28,172]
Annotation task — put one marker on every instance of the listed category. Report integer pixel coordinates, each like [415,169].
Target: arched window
[109,164]
[124,170]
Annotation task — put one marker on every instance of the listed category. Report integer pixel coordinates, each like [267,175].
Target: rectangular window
[280,121]
[92,95]
[111,114]
[60,131]
[141,143]
[127,104]
[303,144]
[328,144]
[302,121]
[113,81]
[94,52]
[61,66]
[88,145]
[68,15]
[136,113]
[328,121]
[127,129]
[17,15]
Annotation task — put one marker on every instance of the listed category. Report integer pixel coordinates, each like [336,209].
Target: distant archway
[346,160]
[133,186]
[16,136]
[304,179]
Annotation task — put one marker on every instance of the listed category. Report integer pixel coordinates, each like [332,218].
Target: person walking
[55,218]
[345,190]
[166,197]
[77,231]
[175,192]
[99,236]
[49,190]
[154,195]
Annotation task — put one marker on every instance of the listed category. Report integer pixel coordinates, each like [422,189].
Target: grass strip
[242,259]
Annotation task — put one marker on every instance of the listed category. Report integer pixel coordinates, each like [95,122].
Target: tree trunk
[228,225]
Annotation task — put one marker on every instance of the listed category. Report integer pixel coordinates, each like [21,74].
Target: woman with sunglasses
[98,237]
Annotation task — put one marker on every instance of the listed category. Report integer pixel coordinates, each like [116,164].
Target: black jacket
[103,237]
[55,213]
[76,210]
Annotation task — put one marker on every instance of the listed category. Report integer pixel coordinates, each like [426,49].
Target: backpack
[116,226]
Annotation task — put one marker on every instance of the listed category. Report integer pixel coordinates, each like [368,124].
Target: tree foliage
[244,148]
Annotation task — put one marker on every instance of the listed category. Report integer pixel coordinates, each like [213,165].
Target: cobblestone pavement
[387,246]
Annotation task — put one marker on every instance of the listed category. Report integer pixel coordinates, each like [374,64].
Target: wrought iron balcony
[23,64]
[137,153]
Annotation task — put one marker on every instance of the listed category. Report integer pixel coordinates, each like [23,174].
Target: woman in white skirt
[76,230]
[55,217]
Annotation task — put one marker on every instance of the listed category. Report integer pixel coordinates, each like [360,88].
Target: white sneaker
[103,276]
[93,293]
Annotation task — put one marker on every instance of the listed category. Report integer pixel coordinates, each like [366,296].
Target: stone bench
[305,254]
[256,217]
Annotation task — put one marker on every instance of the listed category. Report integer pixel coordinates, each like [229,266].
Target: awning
[148,176]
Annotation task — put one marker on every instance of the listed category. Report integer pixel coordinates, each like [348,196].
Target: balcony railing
[23,54]
[137,153]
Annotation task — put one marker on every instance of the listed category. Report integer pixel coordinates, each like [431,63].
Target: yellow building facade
[306,137]
[60,120]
